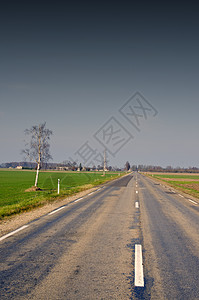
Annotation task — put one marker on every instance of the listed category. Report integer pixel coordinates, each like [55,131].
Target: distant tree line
[24,164]
[73,166]
[66,165]
[169,169]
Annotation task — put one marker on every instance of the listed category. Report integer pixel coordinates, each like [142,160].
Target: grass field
[187,183]
[13,183]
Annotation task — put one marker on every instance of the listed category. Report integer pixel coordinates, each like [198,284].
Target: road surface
[91,248]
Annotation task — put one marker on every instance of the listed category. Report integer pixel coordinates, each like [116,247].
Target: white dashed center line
[139,273]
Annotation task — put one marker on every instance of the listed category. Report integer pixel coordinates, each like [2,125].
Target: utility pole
[104,162]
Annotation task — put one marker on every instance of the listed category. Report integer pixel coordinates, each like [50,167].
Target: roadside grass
[188,187]
[179,182]
[13,185]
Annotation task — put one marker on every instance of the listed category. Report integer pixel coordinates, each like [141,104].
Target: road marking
[54,211]
[13,232]
[181,196]
[90,193]
[136,204]
[193,202]
[78,199]
[136,192]
[139,273]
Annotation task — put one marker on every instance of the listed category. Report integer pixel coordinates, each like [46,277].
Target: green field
[187,183]
[13,183]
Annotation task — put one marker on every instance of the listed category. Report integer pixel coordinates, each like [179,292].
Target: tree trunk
[39,157]
[37,175]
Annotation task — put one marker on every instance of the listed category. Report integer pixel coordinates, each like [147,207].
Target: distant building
[62,168]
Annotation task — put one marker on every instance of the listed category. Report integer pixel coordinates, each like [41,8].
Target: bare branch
[38,147]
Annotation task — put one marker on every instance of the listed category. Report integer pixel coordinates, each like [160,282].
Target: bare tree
[127,166]
[38,147]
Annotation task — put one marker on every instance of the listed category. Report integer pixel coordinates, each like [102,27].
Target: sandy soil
[180,179]
[167,173]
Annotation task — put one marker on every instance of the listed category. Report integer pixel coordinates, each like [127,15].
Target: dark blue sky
[75,65]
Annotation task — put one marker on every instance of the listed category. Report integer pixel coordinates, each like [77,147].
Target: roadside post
[58,186]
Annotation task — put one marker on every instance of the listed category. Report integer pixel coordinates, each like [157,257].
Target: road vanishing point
[132,238]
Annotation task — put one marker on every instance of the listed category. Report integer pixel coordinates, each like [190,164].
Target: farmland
[187,183]
[13,185]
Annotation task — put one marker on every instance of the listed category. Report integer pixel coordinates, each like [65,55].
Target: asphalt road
[86,249]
